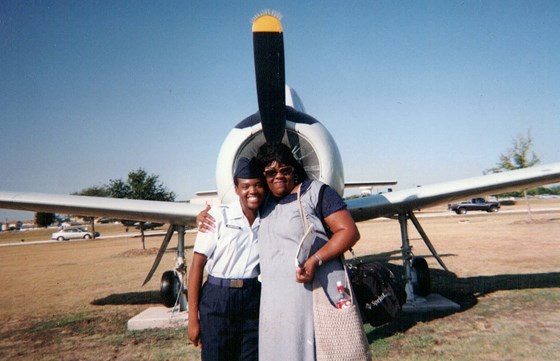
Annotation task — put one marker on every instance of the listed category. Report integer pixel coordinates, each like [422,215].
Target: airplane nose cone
[267,22]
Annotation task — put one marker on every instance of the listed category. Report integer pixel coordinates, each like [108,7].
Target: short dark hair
[281,153]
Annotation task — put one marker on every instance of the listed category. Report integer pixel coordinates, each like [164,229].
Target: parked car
[73,233]
[475,204]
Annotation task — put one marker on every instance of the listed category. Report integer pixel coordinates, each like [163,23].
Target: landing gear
[417,273]
[170,288]
[180,272]
[173,290]
[421,282]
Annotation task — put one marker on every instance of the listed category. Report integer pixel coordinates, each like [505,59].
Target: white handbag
[339,333]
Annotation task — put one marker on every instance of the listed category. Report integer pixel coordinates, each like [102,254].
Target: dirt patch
[537,221]
[140,252]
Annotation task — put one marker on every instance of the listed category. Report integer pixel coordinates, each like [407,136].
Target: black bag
[378,293]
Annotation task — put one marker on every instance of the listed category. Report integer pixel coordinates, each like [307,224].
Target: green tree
[519,156]
[95,191]
[44,219]
[140,185]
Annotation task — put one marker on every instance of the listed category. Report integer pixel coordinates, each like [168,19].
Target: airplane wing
[379,205]
[138,210]
[403,201]
[207,193]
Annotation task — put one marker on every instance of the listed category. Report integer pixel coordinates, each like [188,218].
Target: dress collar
[293,196]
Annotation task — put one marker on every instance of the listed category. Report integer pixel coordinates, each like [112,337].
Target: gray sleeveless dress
[286,313]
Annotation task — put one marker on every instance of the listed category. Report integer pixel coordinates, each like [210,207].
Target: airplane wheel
[169,289]
[420,277]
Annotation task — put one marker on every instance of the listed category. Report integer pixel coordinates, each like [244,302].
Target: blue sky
[420,92]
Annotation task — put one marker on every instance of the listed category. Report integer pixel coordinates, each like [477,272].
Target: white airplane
[282,117]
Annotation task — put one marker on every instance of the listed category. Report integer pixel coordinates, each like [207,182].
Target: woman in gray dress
[286,329]
[286,316]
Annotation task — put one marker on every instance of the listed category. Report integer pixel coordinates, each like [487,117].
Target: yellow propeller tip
[267,21]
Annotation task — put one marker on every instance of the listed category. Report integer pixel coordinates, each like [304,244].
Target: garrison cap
[248,168]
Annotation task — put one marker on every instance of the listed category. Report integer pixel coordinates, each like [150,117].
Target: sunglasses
[285,171]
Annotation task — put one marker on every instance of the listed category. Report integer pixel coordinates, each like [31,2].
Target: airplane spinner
[310,141]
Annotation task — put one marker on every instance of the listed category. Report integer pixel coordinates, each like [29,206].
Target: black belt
[232,283]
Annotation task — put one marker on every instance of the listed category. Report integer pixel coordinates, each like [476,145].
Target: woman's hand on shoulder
[204,221]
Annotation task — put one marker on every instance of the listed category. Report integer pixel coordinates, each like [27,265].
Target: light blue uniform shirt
[232,248]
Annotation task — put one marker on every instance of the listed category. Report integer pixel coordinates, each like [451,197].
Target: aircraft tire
[421,277]
[169,288]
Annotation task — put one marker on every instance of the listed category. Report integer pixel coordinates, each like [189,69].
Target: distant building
[213,201]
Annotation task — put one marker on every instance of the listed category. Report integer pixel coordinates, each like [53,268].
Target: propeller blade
[161,251]
[268,48]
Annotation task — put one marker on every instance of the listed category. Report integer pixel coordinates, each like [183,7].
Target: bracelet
[318,259]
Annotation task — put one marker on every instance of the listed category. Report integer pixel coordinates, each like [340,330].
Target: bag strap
[301,211]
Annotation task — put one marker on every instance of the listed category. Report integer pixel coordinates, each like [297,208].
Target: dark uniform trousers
[229,319]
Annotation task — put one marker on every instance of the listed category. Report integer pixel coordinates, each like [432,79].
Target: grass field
[71,300]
